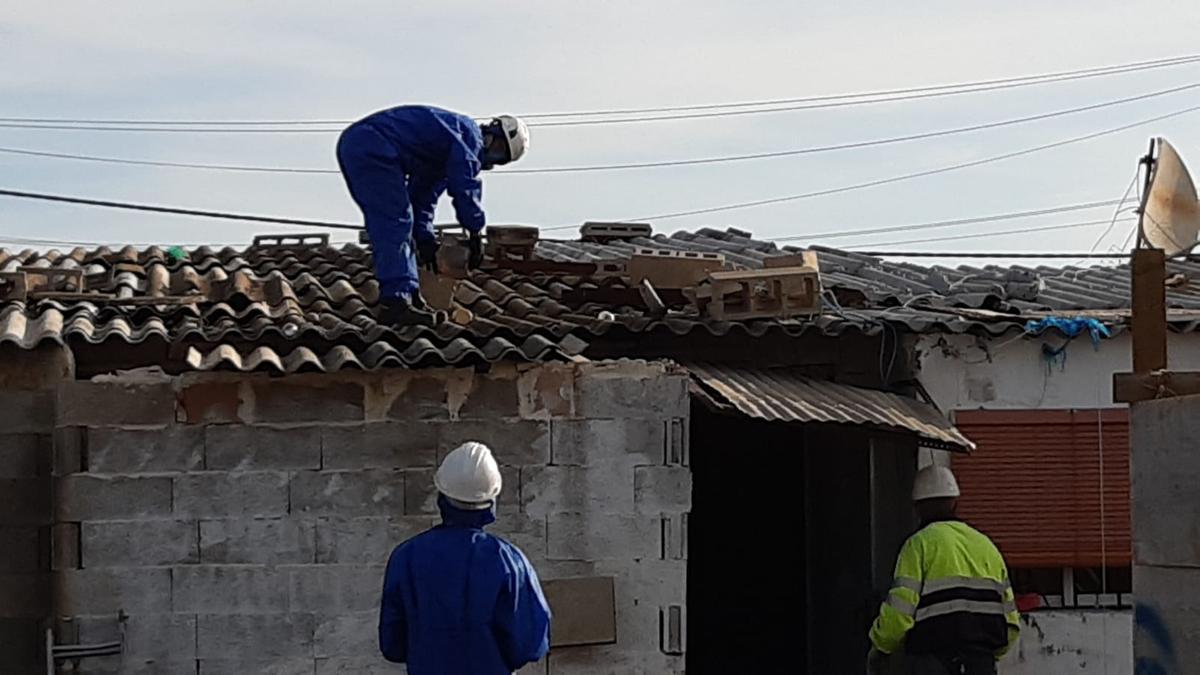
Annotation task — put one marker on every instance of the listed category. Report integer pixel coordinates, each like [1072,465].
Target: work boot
[400,312]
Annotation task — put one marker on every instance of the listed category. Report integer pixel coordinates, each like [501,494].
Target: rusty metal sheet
[781,396]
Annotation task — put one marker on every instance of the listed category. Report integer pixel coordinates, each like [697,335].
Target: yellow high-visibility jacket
[950,595]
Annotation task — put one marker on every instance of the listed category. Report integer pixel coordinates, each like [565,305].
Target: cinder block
[238,447]
[139,543]
[417,397]
[65,542]
[611,660]
[348,493]
[335,588]
[547,391]
[631,396]
[1165,470]
[420,494]
[586,442]
[658,489]
[175,448]
[25,501]
[513,442]
[491,398]
[100,404]
[257,541]
[254,637]
[24,595]
[527,534]
[352,634]
[380,445]
[282,666]
[220,589]
[26,412]
[22,550]
[358,665]
[365,540]
[24,455]
[109,590]
[649,582]
[307,400]
[576,536]
[597,489]
[149,638]
[211,403]
[1165,627]
[221,495]
[107,497]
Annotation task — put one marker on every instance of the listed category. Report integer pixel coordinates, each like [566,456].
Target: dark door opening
[791,538]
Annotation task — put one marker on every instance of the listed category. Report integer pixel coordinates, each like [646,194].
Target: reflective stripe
[973,583]
[951,606]
[1009,607]
[911,584]
[900,604]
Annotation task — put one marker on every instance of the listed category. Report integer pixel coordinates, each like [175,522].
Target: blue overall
[397,163]
[459,601]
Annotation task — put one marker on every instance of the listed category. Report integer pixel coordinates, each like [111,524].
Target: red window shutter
[1033,484]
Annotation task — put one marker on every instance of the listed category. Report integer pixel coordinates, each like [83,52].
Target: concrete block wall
[27,383]
[242,523]
[1165,468]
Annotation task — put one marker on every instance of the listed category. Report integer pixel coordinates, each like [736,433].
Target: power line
[1090,72]
[793,108]
[855,145]
[981,254]
[999,233]
[626,166]
[176,210]
[827,100]
[949,223]
[917,174]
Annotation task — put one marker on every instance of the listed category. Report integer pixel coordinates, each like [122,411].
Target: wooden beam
[1134,387]
[1149,310]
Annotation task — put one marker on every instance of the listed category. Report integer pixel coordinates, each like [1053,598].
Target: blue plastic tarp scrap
[1070,327]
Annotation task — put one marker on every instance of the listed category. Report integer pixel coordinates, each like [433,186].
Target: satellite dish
[1171,211]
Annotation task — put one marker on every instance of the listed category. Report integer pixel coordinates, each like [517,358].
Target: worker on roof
[951,609]
[397,163]
[457,600]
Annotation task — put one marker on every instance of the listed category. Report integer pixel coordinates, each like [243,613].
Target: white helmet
[469,476]
[515,133]
[933,482]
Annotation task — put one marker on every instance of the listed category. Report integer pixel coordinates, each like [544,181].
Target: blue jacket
[459,601]
[442,151]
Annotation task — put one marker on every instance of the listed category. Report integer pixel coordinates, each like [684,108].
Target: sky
[302,59]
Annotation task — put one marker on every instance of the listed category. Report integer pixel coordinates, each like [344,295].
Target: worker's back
[964,591]
[425,137]
[460,601]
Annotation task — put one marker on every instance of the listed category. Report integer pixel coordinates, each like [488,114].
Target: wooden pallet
[672,269]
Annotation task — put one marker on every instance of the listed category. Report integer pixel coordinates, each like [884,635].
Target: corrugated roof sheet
[781,396]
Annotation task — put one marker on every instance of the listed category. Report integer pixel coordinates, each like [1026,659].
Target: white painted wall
[1080,641]
[958,375]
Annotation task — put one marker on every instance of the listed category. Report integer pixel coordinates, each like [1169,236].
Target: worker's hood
[456,517]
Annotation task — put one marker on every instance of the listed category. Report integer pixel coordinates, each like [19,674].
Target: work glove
[427,254]
[475,247]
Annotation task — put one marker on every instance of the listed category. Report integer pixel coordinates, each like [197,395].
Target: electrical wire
[1116,211]
[1094,71]
[632,165]
[734,108]
[852,145]
[917,174]
[946,223]
[980,235]
[176,210]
